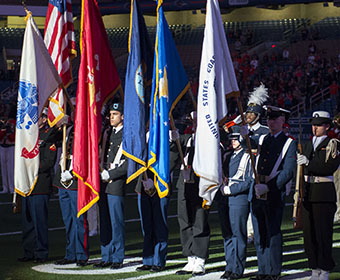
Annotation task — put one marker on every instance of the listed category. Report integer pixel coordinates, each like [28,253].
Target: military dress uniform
[77,234]
[319,204]
[153,212]
[256,130]
[192,217]
[240,179]
[111,203]
[267,214]
[35,205]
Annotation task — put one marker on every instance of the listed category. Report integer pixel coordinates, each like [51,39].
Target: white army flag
[217,78]
[38,80]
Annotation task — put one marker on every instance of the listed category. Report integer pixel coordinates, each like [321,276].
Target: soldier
[153,212]
[192,218]
[34,206]
[238,181]
[253,115]
[276,164]
[111,203]
[77,234]
[321,159]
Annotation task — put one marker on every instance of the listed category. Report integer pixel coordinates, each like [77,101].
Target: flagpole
[68,98]
[64,136]
[173,127]
[192,99]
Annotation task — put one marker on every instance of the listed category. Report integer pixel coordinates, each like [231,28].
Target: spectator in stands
[237,46]
[312,48]
[334,93]
[285,54]
[304,33]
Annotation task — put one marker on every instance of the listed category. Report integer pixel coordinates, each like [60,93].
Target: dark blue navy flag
[136,98]
[169,83]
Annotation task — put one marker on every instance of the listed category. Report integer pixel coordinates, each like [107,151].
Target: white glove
[186,174]
[302,159]
[173,135]
[261,189]
[238,120]
[225,190]
[244,130]
[148,184]
[105,175]
[66,176]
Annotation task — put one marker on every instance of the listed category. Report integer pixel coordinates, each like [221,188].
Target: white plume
[259,95]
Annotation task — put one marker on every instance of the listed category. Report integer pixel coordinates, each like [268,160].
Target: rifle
[297,210]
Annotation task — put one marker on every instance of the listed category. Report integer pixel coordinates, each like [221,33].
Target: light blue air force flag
[38,80]
[136,98]
[169,83]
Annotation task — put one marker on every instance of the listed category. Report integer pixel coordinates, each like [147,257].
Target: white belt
[318,179]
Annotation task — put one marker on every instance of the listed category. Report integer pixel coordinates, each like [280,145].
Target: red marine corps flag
[98,80]
[60,42]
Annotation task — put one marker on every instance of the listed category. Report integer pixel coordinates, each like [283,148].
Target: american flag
[60,42]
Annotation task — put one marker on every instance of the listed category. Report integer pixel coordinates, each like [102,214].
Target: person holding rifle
[276,165]
[321,159]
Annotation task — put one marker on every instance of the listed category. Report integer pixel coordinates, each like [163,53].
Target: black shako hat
[273,112]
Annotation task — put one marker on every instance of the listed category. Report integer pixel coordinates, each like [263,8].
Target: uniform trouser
[153,213]
[7,168]
[116,247]
[76,228]
[35,226]
[223,213]
[269,253]
[104,227]
[317,232]
[236,246]
[193,222]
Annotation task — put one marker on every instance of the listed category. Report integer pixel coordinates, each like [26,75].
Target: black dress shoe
[102,264]
[183,272]
[116,265]
[64,261]
[81,262]
[144,267]
[25,259]
[39,260]
[156,268]
[225,275]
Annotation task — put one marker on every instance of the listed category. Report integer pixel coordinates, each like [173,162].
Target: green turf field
[294,266]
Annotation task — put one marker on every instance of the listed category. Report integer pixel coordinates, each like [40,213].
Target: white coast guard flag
[217,78]
[38,80]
